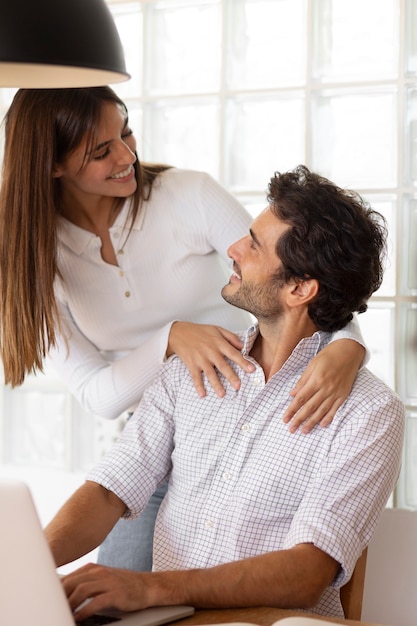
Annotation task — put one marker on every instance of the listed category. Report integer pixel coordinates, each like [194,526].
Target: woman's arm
[328,380]
[204,350]
[102,387]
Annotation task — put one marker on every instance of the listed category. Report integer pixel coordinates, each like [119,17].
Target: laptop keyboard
[98,620]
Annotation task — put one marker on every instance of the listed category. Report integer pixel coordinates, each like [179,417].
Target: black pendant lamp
[59,43]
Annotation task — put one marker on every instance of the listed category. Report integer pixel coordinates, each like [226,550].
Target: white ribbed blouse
[172,267]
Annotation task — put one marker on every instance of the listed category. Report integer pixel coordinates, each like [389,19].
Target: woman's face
[107,170]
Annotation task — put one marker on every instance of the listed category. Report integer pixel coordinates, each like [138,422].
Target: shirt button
[121,273]
[209,523]
[127,294]
[245,428]
[226,475]
[120,251]
[257,381]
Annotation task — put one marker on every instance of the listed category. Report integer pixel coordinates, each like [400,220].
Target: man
[254,515]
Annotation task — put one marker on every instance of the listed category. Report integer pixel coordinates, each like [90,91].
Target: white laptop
[31,593]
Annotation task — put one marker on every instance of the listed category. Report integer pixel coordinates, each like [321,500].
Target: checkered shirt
[240,484]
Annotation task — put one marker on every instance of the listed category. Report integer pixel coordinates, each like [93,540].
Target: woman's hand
[204,349]
[325,385]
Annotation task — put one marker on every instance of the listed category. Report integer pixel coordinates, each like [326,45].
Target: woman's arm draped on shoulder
[204,349]
[328,380]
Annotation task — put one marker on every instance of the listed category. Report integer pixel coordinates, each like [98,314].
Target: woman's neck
[96,216]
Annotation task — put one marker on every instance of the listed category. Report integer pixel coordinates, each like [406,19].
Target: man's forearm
[289,579]
[83,522]
[293,578]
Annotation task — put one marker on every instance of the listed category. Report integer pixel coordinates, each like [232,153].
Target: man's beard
[263,301]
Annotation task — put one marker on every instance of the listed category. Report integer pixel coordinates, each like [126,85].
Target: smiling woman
[86,223]
[99,170]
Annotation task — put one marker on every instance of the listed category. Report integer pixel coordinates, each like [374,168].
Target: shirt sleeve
[106,388]
[343,503]
[352,331]
[225,220]
[140,460]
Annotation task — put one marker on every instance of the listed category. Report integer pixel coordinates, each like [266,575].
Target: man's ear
[303,292]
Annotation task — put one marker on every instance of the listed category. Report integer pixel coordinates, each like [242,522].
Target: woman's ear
[56,171]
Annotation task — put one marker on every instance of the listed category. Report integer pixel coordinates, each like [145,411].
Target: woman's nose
[126,154]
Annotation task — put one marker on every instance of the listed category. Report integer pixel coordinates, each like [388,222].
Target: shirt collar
[308,347]
[78,239]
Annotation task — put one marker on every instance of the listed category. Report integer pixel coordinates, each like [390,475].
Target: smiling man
[254,515]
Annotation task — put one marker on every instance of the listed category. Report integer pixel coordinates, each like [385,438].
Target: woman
[110,266]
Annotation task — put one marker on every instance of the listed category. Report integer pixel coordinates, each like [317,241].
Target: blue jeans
[129,544]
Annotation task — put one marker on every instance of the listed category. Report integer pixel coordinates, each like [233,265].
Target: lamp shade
[59,43]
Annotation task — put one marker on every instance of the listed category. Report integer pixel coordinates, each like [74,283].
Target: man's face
[253,285]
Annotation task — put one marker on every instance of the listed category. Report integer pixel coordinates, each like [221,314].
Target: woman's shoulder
[179,176]
[197,193]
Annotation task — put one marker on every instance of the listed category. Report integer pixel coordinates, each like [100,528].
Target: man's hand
[96,588]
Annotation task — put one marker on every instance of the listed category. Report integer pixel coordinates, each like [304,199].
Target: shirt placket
[125,287]
[229,468]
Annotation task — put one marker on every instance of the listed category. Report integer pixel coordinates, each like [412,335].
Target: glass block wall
[241,88]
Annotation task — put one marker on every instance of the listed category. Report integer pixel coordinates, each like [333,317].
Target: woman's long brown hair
[42,126]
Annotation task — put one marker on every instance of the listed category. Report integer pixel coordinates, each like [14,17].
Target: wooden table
[262,616]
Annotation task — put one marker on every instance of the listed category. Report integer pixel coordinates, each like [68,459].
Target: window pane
[183,46]
[409,248]
[37,433]
[262,136]
[92,437]
[378,321]
[387,207]
[354,138]
[266,44]
[410,136]
[408,353]
[408,484]
[128,19]
[355,40]
[184,135]
[411,37]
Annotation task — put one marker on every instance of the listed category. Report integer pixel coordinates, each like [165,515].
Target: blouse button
[127,294]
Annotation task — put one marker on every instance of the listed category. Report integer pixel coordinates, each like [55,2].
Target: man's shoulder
[370,389]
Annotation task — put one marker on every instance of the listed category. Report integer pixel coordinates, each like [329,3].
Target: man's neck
[276,341]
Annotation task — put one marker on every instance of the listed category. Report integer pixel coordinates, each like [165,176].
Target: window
[241,88]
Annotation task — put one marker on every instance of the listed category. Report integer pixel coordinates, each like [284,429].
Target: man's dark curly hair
[335,237]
